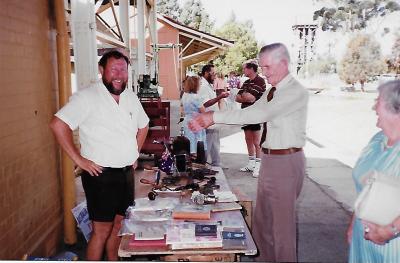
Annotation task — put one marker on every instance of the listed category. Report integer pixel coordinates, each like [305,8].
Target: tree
[245,46]
[352,15]
[361,61]
[394,60]
[195,16]
[169,8]
[322,64]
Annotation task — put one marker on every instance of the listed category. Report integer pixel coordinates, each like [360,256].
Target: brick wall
[30,192]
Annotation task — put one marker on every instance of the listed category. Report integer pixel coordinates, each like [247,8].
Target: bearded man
[112,128]
[211,102]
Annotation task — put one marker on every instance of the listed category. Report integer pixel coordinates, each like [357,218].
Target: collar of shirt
[105,92]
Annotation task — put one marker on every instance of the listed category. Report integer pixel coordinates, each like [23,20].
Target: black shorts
[108,194]
[252,127]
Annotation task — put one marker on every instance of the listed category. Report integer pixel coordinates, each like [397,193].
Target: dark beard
[209,79]
[113,90]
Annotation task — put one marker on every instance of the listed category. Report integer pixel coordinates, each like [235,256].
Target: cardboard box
[247,205]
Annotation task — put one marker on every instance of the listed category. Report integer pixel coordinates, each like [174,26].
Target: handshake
[221,93]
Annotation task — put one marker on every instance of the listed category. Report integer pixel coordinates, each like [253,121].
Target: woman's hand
[378,234]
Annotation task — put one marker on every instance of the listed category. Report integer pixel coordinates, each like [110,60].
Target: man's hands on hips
[202,121]
[92,168]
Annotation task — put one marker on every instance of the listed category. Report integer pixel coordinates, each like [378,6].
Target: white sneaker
[256,170]
[249,167]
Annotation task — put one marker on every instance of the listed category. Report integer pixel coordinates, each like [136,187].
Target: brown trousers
[274,222]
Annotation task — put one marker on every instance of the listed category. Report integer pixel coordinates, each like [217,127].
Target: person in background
[251,90]
[370,242]
[112,129]
[192,104]
[233,81]
[283,164]
[219,84]
[211,102]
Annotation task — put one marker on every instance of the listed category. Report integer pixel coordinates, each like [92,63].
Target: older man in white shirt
[284,108]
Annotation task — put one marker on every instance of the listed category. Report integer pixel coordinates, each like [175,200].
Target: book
[191,215]
[159,243]
[205,230]
[192,212]
[150,234]
[233,235]
[234,244]
[181,235]
[228,223]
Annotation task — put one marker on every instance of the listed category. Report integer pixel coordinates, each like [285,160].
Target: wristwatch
[395,230]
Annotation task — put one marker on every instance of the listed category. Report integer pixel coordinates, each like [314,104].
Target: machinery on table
[183,172]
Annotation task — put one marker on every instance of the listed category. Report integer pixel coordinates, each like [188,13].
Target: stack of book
[151,237]
[233,234]
[234,238]
[147,243]
[189,235]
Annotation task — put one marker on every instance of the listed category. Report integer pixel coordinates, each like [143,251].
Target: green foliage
[362,60]
[394,59]
[245,46]
[169,8]
[352,15]
[194,15]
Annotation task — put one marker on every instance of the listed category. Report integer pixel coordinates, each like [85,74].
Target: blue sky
[272,19]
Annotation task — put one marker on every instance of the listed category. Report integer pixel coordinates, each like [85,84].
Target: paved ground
[339,126]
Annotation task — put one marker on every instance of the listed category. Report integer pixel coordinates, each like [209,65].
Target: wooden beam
[97,6]
[198,53]
[110,40]
[105,24]
[202,40]
[184,49]
[116,20]
[103,8]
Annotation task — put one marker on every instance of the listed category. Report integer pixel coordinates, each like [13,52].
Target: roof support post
[154,40]
[140,54]
[124,15]
[83,27]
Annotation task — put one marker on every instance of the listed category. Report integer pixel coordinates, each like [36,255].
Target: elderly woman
[192,104]
[370,242]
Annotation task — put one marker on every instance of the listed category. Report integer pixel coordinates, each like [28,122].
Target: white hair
[390,92]
[278,50]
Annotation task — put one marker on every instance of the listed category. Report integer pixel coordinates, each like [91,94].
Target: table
[216,254]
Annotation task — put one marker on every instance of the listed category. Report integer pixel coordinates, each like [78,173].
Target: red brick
[29,179]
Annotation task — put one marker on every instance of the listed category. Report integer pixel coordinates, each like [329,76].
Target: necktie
[270,96]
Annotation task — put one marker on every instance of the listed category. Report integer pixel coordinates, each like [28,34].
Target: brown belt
[281,151]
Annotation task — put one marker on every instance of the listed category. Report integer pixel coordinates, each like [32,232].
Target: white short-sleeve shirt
[207,93]
[107,130]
